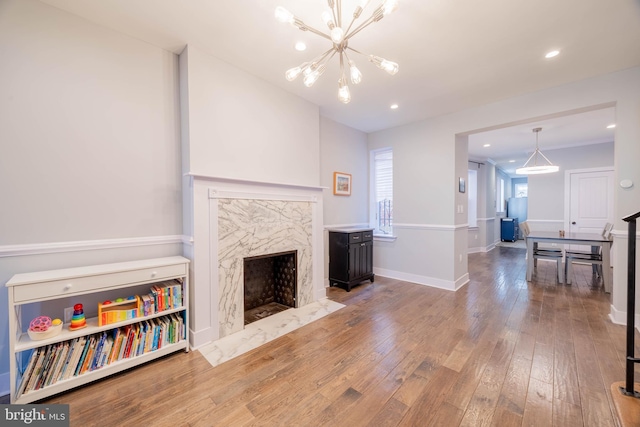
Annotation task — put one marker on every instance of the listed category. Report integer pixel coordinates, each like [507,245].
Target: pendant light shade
[537,163]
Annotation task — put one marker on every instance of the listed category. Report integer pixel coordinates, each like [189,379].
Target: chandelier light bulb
[355,74]
[383,64]
[293,73]
[344,95]
[283,15]
[389,6]
[327,18]
[312,77]
[337,35]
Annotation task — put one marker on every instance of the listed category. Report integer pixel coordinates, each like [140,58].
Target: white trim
[545,220]
[358,225]
[431,227]
[248,181]
[486,219]
[423,280]
[481,249]
[620,234]
[223,194]
[199,338]
[85,245]
[620,317]
[187,240]
[384,238]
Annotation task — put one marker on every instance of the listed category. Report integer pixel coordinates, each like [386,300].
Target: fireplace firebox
[270,285]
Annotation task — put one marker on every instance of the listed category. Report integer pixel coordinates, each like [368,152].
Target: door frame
[567,189]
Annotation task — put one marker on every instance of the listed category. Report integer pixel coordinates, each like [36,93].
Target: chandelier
[339,37]
[531,168]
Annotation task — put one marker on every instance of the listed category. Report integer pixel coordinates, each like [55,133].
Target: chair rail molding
[85,245]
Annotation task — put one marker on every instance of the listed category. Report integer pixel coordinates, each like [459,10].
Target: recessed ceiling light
[394,106]
[552,54]
[300,46]
[611,126]
[512,161]
[487,145]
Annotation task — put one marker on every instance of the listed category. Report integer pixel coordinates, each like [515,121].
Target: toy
[42,327]
[78,320]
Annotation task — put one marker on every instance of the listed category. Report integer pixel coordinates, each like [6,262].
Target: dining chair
[587,257]
[549,253]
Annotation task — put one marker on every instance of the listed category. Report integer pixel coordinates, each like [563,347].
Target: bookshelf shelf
[171,324]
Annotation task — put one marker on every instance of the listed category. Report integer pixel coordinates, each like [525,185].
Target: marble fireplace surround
[254,227]
[234,219]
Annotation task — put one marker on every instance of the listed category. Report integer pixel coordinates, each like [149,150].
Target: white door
[591,201]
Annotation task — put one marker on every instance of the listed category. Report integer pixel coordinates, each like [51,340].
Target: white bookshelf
[30,288]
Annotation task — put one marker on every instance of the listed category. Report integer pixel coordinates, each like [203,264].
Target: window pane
[383,190]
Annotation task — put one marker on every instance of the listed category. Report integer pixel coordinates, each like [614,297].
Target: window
[382,191]
[521,190]
[472,198]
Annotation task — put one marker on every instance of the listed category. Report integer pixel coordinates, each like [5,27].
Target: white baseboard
[422,280]
[620,317]
[199,338]
[482,249]
[462,281]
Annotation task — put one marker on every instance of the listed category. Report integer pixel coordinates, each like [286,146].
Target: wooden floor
[500,351]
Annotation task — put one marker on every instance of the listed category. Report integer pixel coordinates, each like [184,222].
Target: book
[82,356]
[36,369]
[68,358]
[117,341]
[106,351]
[48,360]
[26,375]
[63,349]
[98,352]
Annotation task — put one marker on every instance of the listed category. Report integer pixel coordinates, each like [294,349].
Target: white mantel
[231,219]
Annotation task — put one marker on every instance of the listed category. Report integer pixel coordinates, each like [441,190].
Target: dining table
[569,238]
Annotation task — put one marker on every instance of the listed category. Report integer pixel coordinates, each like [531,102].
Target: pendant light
[532,167]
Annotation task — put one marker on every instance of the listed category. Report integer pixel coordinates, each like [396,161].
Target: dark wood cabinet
[350,257]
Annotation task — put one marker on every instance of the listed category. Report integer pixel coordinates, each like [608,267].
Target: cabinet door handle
[355,237]
[363,244]
[67,286]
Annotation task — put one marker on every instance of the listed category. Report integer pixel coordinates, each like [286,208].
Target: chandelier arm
[304,27]
[318,59]
[357,51]
[339,9]
[326,57]
[360,27]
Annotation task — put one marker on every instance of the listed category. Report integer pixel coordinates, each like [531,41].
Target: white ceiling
[453,55]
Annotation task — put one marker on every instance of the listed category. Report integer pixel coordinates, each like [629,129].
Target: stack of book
[164,296]
[61,361]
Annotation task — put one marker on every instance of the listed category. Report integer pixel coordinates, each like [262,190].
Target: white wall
[424,160]
[546,192]
[244,128]
[89,146]
[344,149]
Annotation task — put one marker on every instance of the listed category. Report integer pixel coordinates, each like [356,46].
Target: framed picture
[341,184]
[461,185]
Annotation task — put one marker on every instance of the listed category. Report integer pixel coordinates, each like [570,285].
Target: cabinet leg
[372,278]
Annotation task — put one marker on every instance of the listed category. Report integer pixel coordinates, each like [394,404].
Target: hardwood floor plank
[500,351]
